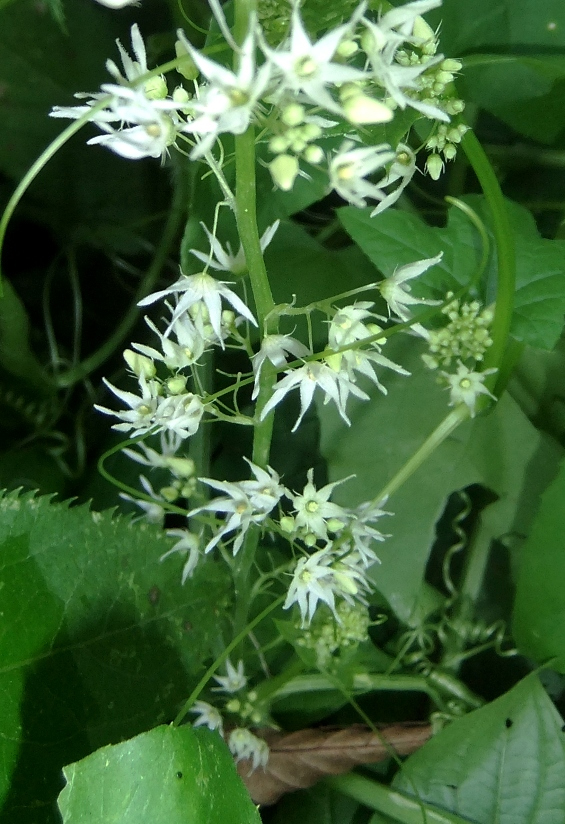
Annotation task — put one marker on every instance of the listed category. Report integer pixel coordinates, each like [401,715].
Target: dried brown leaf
[299,759]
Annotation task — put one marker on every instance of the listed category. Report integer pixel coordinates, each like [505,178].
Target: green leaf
[170,775]
[501,450]
[103,637]
[504,762]
[395,238]
[539,609]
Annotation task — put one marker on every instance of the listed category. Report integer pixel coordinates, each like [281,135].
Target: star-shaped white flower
[188,544]
[226,261]
[275,348]
[234,681]
[313,508]
[201,288]
[208,716]
[465,386]
[335,385]
[349,167]
[301,66]
[229,100]
[243,744]
[398,296]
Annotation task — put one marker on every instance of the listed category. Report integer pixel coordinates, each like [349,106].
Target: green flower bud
[311,131]
[181,467]
[284,171]
[139,364]
[188,67]
[313,154]
[169,493]
[363,109]
[434,166]
[293,114]
[180,95]
[156,88]
[279,143]
[176,385]
[347,48]
[286,523]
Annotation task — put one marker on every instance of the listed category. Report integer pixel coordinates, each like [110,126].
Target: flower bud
[361,109]
[286,523]
[156,88]
[180,95]
[347,48]
[311,131]
[176,385]
[451,65]
[187,67]
[139,364]
[181,467]
[293,114]
[169,493]
[434,166]
[313,154]
[284,171]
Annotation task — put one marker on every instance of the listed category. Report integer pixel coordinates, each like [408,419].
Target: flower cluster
[300,91]
[329,639]
[241,706]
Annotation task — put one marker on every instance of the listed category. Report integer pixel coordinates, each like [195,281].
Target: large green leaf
[540,599]
[503,763]
[501,451]
[170,775]
[99,640]
[395,238]
[521,78]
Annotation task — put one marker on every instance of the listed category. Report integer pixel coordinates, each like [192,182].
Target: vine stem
[389,802]
[223,657]
[246,216]
[505,251]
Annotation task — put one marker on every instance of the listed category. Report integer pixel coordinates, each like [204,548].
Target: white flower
[189,545]
[349,167]
[202,288]
[234,681]
[346,327]
[243,744]
[305,67]
[228,101]
[208,716]
[362,532]
[275,348]
[466,386]
[141,415]
[381,43]
[118,4]
[153,512]
[400,172]
[226,261]
[189,348]
[170,443]
[266,490]
[313,508]
[335,385]
[151,134]
[398,296]
[146,123]
[133,69]
[180,414]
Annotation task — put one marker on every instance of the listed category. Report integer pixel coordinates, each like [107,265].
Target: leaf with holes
[170,775]
[504,762]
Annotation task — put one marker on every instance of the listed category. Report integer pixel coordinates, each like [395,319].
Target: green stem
[223,657]
[505,251]
[446,427]
[246,215]
[387,801]
[39,164]
[362,683]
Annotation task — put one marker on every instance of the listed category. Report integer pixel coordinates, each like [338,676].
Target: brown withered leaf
[298,760]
